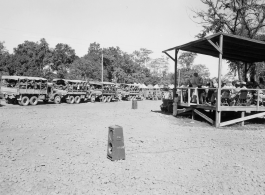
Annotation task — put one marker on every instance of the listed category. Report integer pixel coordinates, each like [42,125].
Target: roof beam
[169,56]
[216,47]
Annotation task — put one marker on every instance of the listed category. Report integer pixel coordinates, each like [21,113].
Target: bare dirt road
[61,149]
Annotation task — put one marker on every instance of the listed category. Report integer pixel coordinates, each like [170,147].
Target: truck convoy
[29,90]
[25,91]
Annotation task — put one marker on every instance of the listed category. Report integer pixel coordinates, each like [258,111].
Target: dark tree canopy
[238,17]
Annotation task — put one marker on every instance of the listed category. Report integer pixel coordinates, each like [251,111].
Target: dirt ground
[61,149]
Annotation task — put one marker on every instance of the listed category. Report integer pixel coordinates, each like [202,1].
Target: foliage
[4,59]
[186,59]
[62,57]
[38,59]
[142,56]
[238,17]
[159,66]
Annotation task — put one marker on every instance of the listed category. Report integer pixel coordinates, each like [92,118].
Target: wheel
[71,100]
[77,99]
[109,99]
[57,99]
[104,98]
[120,98]
[93,98]
[33,101]
[25,101]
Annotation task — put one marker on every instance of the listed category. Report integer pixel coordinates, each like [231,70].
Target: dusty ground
[61,149]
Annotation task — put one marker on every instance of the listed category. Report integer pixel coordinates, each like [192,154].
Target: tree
[159,66]
[4,58]
[142,56]
[29,58]
[84,69]
[186,59]
[62,57]
[237,17]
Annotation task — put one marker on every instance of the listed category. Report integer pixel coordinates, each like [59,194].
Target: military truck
[23,90]
[95,91]
[70,91]
[130,92]
[109,92]
[103,92]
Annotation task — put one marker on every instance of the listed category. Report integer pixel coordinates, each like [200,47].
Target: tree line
[40,60]
[37,59]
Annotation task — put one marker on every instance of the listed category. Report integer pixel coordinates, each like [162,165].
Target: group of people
[71,86]
[232,92]
[130,88]
[25,83]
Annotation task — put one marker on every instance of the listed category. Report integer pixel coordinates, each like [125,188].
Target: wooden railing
[244,97]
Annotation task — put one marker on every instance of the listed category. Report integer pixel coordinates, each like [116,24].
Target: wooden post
[192,114]
[188,96]
[179,78]
[176,73]
[217,118]
[242,116]
[257,100]
[218,109]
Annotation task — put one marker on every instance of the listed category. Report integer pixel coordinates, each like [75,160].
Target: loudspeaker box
[115,148]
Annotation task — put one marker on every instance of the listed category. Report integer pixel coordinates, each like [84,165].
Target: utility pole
[102,67]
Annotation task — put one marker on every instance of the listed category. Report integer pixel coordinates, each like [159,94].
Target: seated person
[31,84]
[23,84]
[225,94]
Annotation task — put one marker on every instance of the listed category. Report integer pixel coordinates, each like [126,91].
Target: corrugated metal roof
[234,48]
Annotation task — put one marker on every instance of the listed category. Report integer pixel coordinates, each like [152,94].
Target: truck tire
[104,99]
[71,99]
[93,98]
[24,101]
[33,101]
[108,99]
[57,99]
[77,99]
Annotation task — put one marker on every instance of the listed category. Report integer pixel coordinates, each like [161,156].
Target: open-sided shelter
[229,47]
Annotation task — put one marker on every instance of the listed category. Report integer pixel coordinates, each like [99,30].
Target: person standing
[197,83]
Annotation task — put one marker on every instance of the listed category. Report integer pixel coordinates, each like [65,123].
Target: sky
[129,24]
